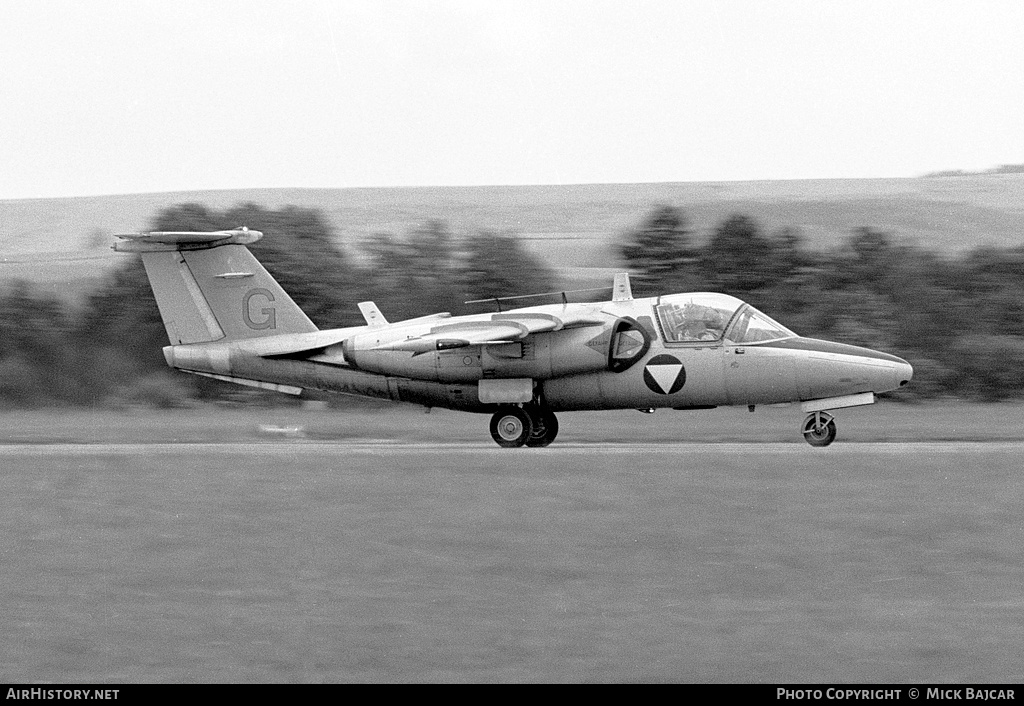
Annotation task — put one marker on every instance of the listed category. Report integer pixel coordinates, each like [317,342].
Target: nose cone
[825,368]
[883,371]
[904,372]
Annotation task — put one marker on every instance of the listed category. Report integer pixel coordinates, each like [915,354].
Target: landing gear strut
[530,425]
[819,429]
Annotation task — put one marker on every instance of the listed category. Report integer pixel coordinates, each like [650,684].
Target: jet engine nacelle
[612,346]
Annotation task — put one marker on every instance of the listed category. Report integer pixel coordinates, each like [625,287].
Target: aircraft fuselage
[570,369]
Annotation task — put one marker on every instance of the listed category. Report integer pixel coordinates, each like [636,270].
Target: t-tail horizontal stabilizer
[185,240]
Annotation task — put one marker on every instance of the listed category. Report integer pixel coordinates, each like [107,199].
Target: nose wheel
[819,429]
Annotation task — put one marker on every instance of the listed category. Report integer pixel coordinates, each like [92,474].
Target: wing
[500,328]
[294,344]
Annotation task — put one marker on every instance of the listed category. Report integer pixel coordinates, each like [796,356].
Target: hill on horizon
[63,244]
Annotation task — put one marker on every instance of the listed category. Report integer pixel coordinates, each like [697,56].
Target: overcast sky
[107,97]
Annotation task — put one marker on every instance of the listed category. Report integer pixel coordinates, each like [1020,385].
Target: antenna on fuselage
[621,291]
[565,299]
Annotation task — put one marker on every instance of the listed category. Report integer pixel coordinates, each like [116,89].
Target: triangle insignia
[600,342]
[664,374]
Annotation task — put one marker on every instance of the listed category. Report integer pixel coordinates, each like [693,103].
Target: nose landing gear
[819,429]
[529,425]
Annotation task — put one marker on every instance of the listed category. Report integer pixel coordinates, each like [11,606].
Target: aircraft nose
[894,376]
[829,369]
[904,372]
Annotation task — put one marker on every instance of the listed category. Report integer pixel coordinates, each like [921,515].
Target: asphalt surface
[291,560]
[398,447]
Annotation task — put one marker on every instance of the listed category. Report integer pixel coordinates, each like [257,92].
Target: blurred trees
[407,273]
[36,364]
[738,258]
[661,255]
[959,320]
[496,265]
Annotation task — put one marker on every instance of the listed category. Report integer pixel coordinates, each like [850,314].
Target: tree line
[959,319]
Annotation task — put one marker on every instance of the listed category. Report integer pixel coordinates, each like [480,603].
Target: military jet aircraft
[228,319]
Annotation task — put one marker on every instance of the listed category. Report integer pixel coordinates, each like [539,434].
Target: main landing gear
[819,429]
[529,425]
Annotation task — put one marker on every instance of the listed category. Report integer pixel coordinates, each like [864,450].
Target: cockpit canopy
[704,316]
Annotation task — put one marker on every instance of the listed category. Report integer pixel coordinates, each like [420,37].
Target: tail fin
[209,286]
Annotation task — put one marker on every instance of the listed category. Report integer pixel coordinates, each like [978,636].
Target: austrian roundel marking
[664,374]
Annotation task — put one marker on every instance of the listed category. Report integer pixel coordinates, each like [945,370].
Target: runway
[386,447]
[411,560]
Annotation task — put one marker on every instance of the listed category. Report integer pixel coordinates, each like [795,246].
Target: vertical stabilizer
[186,314]
[209,287]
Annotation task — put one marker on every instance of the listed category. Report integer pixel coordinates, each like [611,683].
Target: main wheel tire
[511,427]
[545,426]
[819,432]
